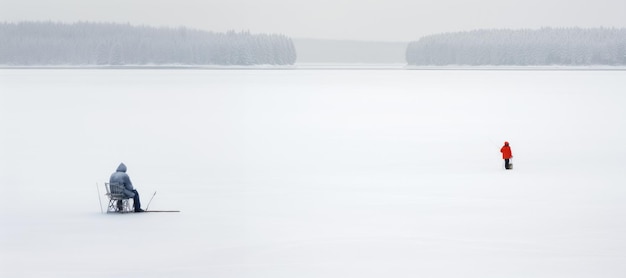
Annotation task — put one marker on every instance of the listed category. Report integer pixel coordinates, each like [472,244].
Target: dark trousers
[136,202]
[506,164]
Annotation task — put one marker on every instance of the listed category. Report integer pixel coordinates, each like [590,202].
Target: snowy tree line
[83,43]
[546,46]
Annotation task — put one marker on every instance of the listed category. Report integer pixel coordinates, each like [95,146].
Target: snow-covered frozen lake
[314,173]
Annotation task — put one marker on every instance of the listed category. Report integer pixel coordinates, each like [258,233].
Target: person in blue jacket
[120,177]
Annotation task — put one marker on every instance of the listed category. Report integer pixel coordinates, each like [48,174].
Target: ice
[314,173]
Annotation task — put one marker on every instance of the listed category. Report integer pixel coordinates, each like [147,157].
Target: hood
[121,168]
[506,143]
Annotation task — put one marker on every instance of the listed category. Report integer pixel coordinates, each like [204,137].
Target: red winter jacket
[506,151]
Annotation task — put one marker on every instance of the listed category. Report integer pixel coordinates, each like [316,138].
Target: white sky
[389,20]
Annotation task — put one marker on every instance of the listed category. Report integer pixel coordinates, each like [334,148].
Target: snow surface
[314,173]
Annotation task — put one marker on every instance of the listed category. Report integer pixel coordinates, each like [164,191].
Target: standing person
[120,177]
[506,155]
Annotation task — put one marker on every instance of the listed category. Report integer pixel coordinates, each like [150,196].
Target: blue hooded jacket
[120,177]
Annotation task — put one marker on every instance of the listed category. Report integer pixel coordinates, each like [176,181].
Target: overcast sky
[388,20]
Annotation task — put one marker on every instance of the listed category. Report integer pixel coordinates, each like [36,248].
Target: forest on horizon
[106,44]
[546,46]
[84,43]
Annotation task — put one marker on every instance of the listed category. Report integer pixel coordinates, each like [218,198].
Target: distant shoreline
[322,67]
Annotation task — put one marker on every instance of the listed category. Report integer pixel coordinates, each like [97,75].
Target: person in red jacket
[507,155]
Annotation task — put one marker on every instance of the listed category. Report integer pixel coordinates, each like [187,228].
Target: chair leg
[127,206]
[124,205]
[111,206]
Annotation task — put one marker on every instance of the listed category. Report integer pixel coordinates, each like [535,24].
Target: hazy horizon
[392,21]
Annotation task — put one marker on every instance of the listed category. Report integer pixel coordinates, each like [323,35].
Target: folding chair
[118,203]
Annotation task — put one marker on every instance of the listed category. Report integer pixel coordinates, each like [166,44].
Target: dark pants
[136,202]
[506,164]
